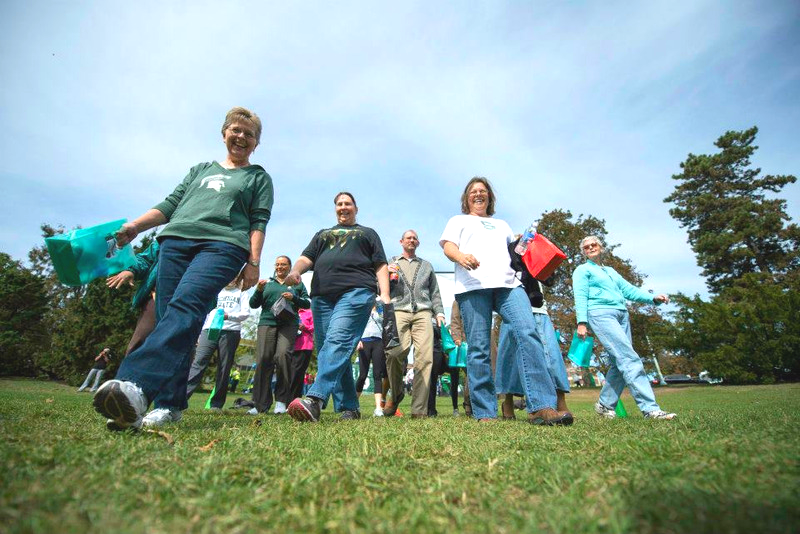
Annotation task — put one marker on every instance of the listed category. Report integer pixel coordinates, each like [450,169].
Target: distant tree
[647,324]
[734,229]
[748,249]
[23,305]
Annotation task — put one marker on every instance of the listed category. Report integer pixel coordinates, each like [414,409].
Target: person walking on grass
[600,295]
[100,363]
[371,352]
[235,304]
[349,269]
[416,299]
[215,223]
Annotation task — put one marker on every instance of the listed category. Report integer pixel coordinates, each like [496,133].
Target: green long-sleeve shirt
[219,204]
[271,293]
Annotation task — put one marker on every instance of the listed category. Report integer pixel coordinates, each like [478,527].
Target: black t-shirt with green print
[345,258]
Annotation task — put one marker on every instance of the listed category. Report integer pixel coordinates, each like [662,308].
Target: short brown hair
[465,195]
[243,114]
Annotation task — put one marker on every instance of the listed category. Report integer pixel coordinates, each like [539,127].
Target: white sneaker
[122,402]
[603,411]
[456,413]
[660,414]
[161,416]
[279,408]
[377,413]
[252,411]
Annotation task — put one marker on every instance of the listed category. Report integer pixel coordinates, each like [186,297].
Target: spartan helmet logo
[215,182]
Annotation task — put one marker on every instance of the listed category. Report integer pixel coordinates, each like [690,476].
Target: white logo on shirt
[215,182]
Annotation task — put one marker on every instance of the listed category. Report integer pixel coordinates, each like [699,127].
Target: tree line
[738,227]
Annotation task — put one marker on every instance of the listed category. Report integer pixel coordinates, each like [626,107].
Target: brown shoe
[549,417]
[561,401]
[391,405]
[508,408]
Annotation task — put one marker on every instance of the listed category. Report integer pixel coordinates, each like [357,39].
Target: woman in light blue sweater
[600,295]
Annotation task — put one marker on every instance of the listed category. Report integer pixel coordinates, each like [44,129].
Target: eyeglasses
[591,245]
[238,131]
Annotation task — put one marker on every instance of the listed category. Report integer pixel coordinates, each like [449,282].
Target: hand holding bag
[283,311]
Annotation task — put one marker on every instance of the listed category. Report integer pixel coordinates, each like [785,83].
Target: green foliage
[747,334]
[727,464]
[733,227]
[648,326]
[749,252]
[23,331]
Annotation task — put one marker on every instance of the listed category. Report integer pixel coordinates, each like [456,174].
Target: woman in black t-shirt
[346,260]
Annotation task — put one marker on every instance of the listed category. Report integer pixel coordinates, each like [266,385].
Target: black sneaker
[348,415]
[304,409]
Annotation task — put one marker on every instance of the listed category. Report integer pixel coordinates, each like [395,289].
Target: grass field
[729,463]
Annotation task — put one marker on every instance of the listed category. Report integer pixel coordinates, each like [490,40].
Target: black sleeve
[312,250]
[378,255]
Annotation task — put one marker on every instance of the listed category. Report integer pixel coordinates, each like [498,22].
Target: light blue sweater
[598,287]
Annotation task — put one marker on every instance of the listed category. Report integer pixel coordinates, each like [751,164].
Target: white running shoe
[161,416]
[252,411]
[603,411]
[456,413]
[122,402]
[660,414]
[279,408]
[377,413]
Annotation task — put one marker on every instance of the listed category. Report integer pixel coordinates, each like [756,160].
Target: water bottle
[525,240]
[215,328]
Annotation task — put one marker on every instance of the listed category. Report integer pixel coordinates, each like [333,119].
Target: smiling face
[409,242]
[591,248]
[282,266]
[478,199]
[240,140]
[346,210]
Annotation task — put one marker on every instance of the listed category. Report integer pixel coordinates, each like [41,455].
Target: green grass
[729,463]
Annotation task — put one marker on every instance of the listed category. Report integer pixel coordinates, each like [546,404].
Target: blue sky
[104,106]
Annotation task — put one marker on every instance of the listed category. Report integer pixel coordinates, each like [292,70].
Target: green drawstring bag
[447,339]
[458,358]
[215,328]
[85,254]
[580,351]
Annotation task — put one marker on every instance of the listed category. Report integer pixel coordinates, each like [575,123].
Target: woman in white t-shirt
[478,245]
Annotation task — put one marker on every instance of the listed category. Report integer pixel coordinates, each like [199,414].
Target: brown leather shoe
[549,417]
[391,406]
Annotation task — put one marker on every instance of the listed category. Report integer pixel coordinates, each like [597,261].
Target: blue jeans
[190,275]
[515,309]
[338,325]
[507,377]
[613,329]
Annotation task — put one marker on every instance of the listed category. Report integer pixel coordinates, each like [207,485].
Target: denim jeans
[97,374]
[338,325]
[190,275]
[514,307]
[613,329]
[507,377]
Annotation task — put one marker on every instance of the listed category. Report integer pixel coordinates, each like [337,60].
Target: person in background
[370,351]
[234,302]
[349,269]
[301,356]
[440,367]
[235,377]
[215,223]
[100,363]
[600,295]
[485,282]
[275,337]
[416,299]
[144,270]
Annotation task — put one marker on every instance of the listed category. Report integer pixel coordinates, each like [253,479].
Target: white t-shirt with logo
[487,239]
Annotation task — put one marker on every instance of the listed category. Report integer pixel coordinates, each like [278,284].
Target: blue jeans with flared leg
[190,275]
[613,329]
[338,325]
[515,309]
[507,377]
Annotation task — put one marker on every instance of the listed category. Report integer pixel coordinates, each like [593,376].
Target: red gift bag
[542,257]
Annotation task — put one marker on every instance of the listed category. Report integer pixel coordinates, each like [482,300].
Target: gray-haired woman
[600,295]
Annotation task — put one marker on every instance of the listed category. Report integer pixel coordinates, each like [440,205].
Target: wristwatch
[254,263]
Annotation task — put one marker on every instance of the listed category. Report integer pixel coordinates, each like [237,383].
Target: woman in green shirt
[275,338]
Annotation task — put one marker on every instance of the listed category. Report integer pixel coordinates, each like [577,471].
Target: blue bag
[580,351]
[458,357]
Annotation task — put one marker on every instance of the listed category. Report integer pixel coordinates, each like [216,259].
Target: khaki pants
[413,328]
